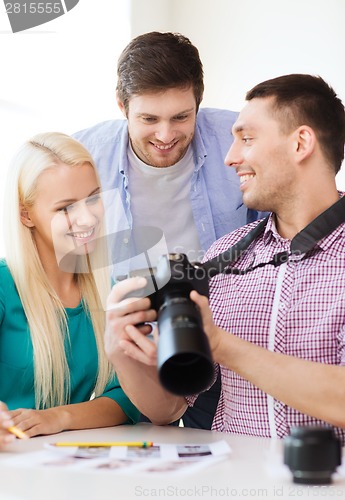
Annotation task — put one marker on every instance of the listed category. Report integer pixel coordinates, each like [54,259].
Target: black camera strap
[303,242]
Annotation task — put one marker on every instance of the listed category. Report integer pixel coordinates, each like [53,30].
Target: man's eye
[246,139]
[149,119]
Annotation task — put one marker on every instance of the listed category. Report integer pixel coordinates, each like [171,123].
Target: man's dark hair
[156,62]
[308,100]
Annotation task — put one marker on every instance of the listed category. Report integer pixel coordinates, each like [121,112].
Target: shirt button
[277,405]
[281,305]
[125,240]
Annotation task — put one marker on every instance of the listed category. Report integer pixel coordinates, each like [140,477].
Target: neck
[63,283]
[292,219]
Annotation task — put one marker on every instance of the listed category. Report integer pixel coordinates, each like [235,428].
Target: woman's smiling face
[67,213]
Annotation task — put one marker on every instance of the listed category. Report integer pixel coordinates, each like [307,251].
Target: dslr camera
[185,364]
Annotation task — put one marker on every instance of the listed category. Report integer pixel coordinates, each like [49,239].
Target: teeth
[246,177]
[164,147]
[82,235]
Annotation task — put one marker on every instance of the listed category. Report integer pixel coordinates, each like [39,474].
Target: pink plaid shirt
[296,309]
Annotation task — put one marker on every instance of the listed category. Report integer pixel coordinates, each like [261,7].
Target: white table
[253,470]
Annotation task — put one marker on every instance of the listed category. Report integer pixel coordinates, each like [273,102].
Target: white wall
[59,76]
[243,42]
[62,75]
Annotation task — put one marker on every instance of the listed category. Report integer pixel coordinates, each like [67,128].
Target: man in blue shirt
[165,161]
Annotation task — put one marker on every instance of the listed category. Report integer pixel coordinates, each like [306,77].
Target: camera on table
[185,363]
[312,453]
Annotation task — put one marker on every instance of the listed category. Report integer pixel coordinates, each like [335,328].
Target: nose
[165,132]
[84,216]
[234,156]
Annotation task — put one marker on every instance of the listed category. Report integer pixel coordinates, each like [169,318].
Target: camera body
[185,363]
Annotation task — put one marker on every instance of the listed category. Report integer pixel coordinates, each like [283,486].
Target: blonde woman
[53,370]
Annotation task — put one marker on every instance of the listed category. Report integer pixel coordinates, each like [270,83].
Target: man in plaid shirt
[277,333]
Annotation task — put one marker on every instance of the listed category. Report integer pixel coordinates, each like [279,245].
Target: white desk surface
[249,472]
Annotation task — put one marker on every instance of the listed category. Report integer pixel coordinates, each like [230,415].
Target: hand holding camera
[123,317]
[185,363]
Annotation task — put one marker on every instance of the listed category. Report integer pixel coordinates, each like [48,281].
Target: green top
[16,354]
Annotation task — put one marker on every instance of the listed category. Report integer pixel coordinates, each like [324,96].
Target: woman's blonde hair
[44,310]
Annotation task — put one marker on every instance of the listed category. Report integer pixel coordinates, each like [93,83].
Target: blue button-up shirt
[216,199]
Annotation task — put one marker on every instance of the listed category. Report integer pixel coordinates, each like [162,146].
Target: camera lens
[312,453]
[185,363]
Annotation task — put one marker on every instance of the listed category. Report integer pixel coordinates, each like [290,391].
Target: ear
[305,142]
[25,217]
[121,105]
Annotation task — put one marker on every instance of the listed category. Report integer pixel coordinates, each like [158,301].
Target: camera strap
[303,242]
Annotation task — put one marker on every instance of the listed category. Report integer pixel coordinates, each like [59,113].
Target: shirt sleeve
[114,391]
[2,293]
[191,399]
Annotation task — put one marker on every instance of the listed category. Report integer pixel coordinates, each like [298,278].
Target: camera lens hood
[312,453]
[185,364]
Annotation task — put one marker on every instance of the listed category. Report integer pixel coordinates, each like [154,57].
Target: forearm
[99,412]
[141,384]
[312,388]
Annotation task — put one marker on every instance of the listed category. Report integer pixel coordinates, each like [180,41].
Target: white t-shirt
[160,197]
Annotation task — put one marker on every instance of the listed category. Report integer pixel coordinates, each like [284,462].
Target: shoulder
[102,132]
[4,271]
[214,118]
[6,282]
[230,239]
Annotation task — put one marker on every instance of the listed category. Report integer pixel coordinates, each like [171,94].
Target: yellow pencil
[17,432]
[139,444]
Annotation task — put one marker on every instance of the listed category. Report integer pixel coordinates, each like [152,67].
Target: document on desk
[159,458]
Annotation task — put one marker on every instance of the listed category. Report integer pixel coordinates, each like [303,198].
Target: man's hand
[125,327]
[213,333]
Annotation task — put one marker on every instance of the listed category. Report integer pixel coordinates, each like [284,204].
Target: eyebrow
[73,200]
[185,111]
[238,128]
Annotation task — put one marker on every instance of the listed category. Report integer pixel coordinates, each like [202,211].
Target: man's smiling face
[161,125]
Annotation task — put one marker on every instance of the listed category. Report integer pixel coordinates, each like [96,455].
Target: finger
[22,418]
[140,340]
[145,329]
[134,352]
[135,318]
[200,300]
[14,413]
[127,306]
[3,407]
[141,346]
[122,288]
[5,417]
[155,334]
[7,439]
[6,421]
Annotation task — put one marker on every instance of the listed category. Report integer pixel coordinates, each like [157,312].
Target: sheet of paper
[160,458]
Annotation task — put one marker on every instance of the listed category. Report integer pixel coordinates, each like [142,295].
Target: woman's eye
[91,200]
[66,209]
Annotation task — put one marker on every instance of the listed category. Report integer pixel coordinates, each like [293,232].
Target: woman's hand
[126,317]
[5,422]
[38,422]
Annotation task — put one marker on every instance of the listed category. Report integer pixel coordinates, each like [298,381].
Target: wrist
[62,417]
